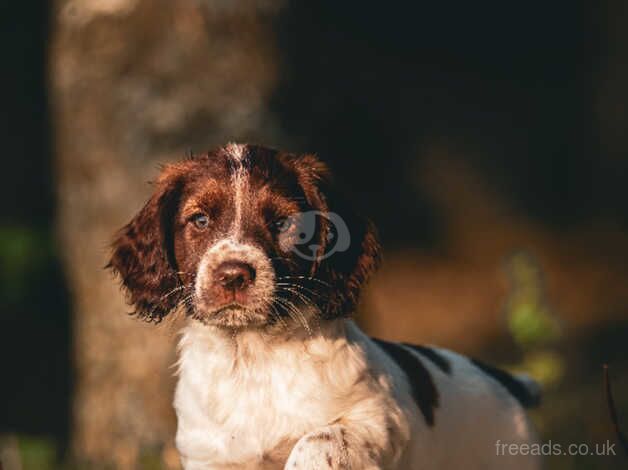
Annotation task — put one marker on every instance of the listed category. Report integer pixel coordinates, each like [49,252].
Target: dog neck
[264,389]
[251,347]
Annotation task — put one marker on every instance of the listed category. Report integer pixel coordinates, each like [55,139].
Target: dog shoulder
[434,375]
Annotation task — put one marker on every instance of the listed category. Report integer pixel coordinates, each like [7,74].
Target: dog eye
[200,221]
[283,225]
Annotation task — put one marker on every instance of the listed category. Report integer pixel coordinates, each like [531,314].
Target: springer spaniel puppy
[268,262]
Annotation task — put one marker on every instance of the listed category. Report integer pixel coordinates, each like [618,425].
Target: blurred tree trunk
[135,83]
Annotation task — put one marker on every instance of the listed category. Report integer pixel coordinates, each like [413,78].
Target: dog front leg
[334,447]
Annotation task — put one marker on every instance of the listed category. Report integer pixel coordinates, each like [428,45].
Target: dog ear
[143,252]
[349,249]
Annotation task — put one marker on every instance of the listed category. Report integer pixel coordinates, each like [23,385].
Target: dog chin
[232,317]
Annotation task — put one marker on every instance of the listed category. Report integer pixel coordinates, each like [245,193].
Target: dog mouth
[230,307]
[233,315]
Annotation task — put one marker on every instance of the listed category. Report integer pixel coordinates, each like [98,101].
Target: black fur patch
[423,389]
[517,389]
[437,359]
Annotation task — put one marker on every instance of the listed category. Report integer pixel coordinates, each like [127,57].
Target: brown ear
[348,270]
[143,253]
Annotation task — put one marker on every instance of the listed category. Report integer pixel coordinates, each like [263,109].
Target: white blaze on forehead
[235,151]
[239,179]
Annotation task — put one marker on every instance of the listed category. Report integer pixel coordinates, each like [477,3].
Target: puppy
[268,262]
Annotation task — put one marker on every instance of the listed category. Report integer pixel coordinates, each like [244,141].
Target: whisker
[173,291]
[151,314]
[301,296]
[275,314]
[275,302]
[301,317]
[298,286]
[308,278]
[307,301]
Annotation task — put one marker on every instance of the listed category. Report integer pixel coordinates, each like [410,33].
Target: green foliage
[530,320]
[532,324]
[547,367]
[43,453]
[37,453]
[24,254]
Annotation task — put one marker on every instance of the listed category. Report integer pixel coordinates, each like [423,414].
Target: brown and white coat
[273,373]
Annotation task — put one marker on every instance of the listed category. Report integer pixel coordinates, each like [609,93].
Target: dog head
[245,237]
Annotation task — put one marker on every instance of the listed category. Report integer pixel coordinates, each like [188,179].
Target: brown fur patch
[324,436]
[157,255]
[144,253]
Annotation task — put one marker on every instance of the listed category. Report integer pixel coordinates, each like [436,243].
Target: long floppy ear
[143,252]
[349,250]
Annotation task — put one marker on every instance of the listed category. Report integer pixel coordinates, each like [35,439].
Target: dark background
[525,101]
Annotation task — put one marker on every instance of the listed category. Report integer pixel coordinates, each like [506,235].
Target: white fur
[239,178]
[333,399]
[236,151]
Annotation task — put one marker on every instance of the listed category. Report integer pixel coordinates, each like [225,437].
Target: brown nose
[234,275]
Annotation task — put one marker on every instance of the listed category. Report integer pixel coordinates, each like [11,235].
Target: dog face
[245,237]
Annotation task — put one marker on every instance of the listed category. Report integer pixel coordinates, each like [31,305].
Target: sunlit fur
[251,401]
[285,378]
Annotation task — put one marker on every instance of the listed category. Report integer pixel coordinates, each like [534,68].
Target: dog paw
[321,450]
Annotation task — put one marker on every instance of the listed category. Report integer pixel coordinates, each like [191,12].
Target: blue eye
[200,221]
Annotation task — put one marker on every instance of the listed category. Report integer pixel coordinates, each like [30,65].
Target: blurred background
[487,141]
